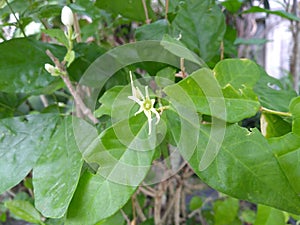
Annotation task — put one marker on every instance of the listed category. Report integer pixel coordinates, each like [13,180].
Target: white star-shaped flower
[146,104]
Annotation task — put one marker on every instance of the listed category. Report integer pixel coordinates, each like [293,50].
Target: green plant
[77,133]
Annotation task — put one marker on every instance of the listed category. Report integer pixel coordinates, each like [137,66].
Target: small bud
[54,71]
[50,69]
[67,16]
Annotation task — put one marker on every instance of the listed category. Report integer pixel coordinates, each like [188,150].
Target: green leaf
[132,9]
[233,100]
[239,73]
[114,219]
[57,34]
[273,125]
[272,94]
[202,27]
[295,110]
[246,168]
[9,103]
[70,57]
[248,216]
[283,14]
[226,211]
[269,216]
[107,100]
[56,173]
[24,210]
[120,151]
[286,149]
[251,41]
[21,141]
[232,5]
[85,55]
[165,77]
[95,199]
[152,31]
[22,66]
[140,52]
[49,11]
[195,203]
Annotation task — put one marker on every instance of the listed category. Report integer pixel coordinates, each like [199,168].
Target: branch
[167,9]
[146,12]
[78,101]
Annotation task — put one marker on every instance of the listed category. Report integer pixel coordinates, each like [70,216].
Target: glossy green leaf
[232,101]
[239,73]
[165,77]
[107,100]
[201,25]
[120,151]
[132,9]
[9,103]
[114,219]
[24,210]
[269,216]
[152,31]
[253,169]
[281,13]
[96,198]
[272,94]
[56,173]
[226,211]
[287,151]
[85,55]
[295,110]
[273,125]
[49,11]
[21,141]
[232,5]
[22,66]
[156,52]
[58,35]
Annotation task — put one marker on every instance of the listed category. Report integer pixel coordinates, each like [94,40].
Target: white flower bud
[50,69]
[54,71]
[67,16]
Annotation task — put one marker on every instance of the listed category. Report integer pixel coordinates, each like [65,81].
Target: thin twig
[85,110]
[44,100]
[177,206]
[133,200]
[222,50]
[168,210]
[125,217]
[166,9]
[146,12]
[77,28]
[157,209]
[138,209]
[182,72]
[147,192]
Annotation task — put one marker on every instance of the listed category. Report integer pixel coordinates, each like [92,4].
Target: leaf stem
[287,114]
